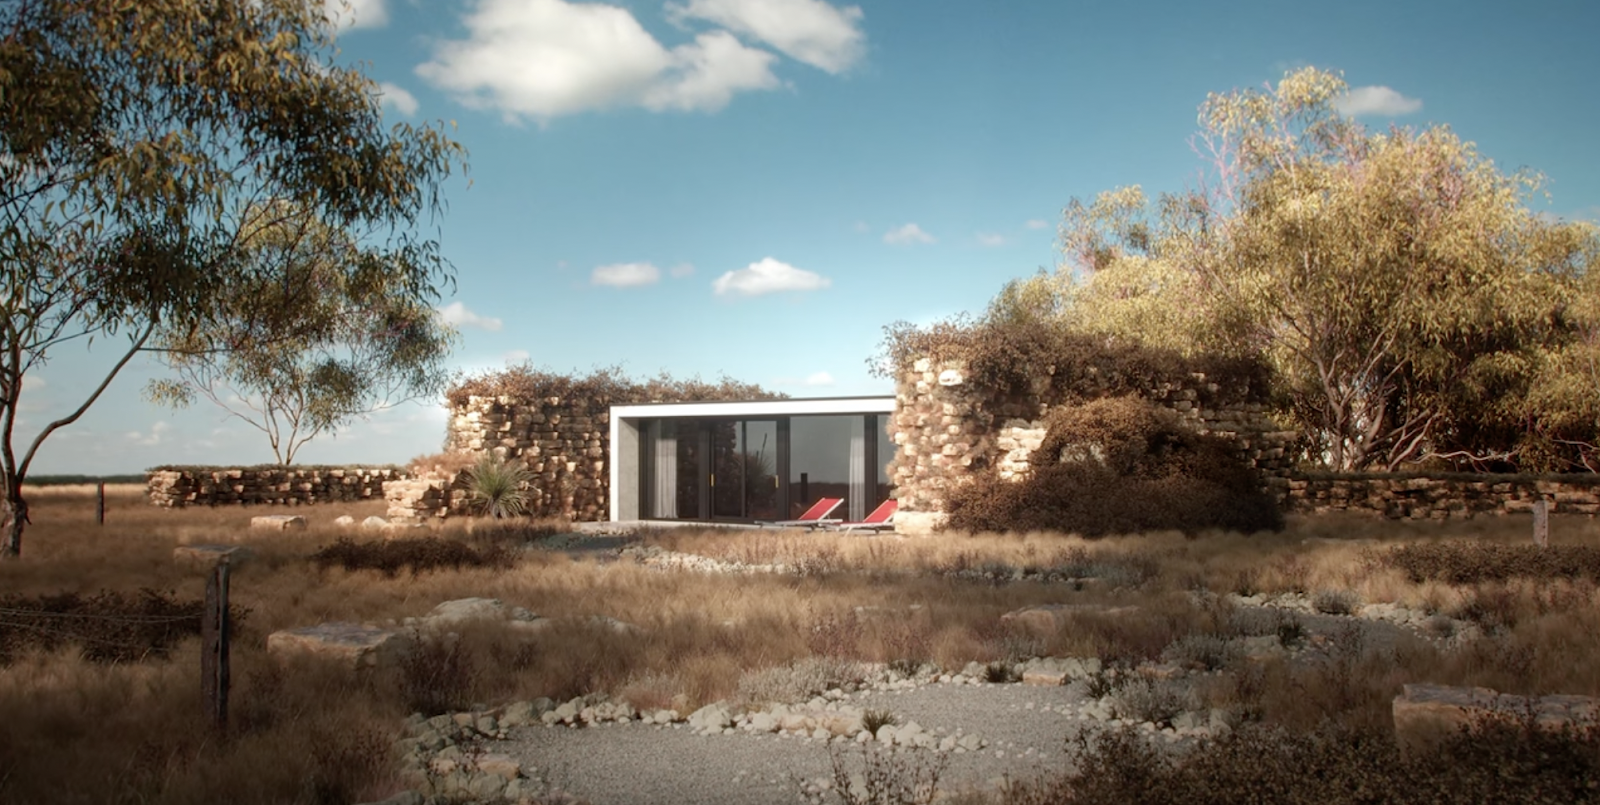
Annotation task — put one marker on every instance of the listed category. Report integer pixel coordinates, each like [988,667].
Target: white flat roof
[829,405]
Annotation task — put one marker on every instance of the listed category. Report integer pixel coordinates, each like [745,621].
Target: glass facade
[769,468]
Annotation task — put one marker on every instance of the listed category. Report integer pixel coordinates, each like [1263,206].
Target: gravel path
[1025,728]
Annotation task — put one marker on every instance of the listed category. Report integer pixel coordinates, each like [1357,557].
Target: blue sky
[756,187]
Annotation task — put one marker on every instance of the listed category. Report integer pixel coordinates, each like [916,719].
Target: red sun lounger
[881,519]
[810,518]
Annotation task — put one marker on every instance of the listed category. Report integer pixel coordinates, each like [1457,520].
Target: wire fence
[107,627]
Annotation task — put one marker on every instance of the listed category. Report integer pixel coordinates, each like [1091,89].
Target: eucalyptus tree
[314,336]
[141,143]
[1397,281]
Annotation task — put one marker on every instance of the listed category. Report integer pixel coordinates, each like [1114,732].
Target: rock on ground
[351,644]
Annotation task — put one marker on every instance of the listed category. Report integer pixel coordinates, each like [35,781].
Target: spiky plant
[497,487]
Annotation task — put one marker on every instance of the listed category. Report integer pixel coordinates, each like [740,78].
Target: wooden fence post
[1541,522]
[214,646]
[100,510]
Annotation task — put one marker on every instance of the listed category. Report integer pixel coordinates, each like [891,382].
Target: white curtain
[858,470]
[666,459]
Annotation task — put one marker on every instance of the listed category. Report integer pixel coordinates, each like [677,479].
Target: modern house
[740,462]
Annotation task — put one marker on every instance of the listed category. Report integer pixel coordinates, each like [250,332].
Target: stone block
[350,644]
[278,522]
[207,556]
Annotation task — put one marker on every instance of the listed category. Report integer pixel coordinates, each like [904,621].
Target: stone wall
[949,431]
[1443,497]
[562,442]
[191,486]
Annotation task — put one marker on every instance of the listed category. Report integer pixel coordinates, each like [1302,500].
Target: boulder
[278,522]
[1044,677]
[1052,618]
[499,765]
[1427,714]
[713,716]
[462,610]
[351,644]
[344,521]
[374,523]
[207,556]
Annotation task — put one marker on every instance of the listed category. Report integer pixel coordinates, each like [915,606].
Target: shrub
[1488,762]
[1155,700]
[874,720]
[1335,602]
[1000,673]
[1201,651]
[416,555]
[604,386]
[1474,562]
[888,776]
[496,486]
[1121,466]
[798,681]
[438,677]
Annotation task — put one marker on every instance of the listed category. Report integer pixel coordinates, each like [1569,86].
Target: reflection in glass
[819,460]
[745,481]
[886,452]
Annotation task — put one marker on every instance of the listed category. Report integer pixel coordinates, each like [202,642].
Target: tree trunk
[13,517]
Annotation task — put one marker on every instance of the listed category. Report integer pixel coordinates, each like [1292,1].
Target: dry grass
[72,731]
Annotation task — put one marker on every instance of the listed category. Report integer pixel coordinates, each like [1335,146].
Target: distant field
[70,480]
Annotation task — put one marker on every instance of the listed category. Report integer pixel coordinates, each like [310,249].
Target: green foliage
[158,160]
[498,487]
[417,555]
[1411,306]
[607,386]
[1120,466]
[1019,358]
[321,332]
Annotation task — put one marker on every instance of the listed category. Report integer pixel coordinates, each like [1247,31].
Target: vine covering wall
[948,429]
[556,426]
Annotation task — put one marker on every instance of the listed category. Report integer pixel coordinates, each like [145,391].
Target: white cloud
[705,75]
[768,276]
[906,235]
[1378,101]
[457,314]
[819,379]
[546,58]
[862,228]
[991,239]
[153,437]
[357,13]
[682,270]
[1036,223]
[626,275]
[517,356]
[397,98]
[812,31]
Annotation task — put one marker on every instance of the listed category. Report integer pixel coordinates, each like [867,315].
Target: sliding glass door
[743,470]
[744,483]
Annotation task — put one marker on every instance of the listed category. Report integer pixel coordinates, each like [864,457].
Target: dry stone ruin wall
[1446,497]
[562,442]
[193,486]
[949,431]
